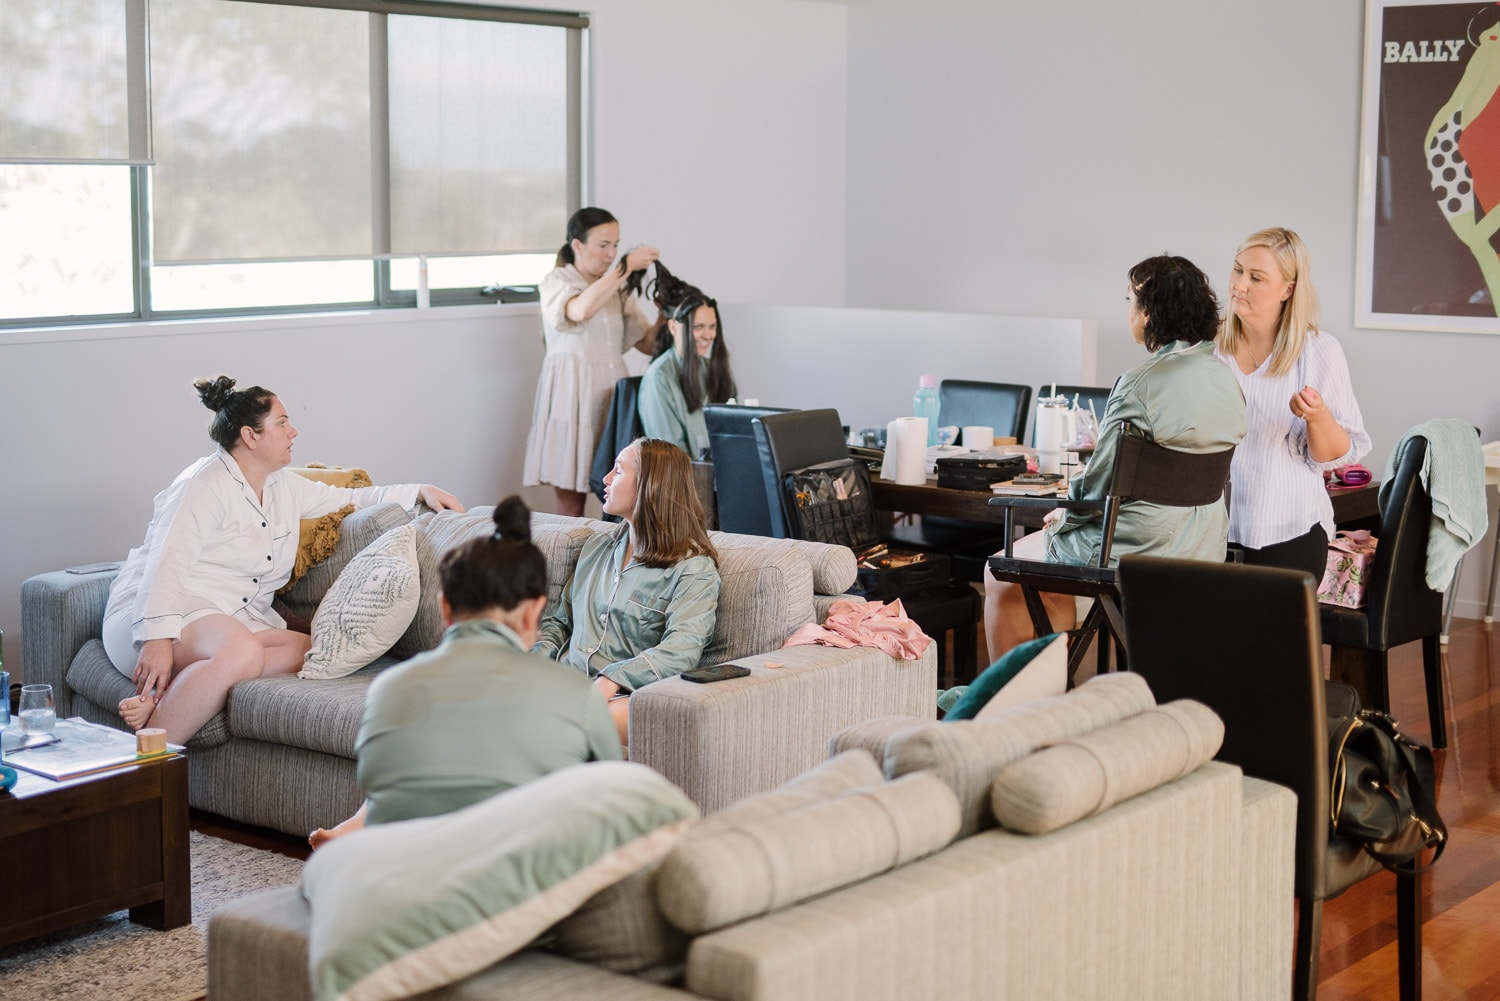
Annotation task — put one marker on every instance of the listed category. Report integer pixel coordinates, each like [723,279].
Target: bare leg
[1006,621]
[570,502]
[619,711]
[213,654]
[322,836]
[285,650]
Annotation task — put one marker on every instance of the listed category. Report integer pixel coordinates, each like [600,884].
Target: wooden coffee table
[89,846]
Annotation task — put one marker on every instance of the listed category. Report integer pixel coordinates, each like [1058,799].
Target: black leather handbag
[1384,792]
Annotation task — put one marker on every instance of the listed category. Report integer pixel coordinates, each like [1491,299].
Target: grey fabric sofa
[1182,890]
[281,755]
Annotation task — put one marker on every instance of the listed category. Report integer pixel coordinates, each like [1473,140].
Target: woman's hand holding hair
[1326,438]
[439,500]
[153,669]
[638,259]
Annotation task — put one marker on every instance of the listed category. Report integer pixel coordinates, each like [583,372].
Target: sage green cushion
[406,907]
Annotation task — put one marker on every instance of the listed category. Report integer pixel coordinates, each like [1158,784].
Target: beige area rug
[111,959]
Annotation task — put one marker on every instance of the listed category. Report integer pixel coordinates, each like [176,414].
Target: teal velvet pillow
[995,677]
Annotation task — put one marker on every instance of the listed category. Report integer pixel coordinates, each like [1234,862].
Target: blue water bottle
[4,687]
[925,404]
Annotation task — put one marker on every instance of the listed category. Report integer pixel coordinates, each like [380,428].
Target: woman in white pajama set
[190,613]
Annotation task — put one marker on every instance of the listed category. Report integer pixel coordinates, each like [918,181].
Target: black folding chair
[1144,471]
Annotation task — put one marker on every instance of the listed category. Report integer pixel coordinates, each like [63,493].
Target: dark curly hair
[233,409]
[495,571]
[1176,299]
[678,300]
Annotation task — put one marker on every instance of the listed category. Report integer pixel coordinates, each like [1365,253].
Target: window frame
[385,297]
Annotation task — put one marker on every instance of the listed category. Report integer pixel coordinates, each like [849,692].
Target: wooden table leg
[175,908]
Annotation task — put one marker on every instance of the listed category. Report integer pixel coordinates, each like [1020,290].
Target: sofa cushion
[969,754]
[1089,774]
[764,596]
[406,907]
[1044,664]
[318,715]
[623,929]
[356,532]
[367,609]
[437,532]
[748,868]
[834,568]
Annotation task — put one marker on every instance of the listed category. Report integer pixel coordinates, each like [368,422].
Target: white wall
[865,362]
[1018,158]
[718,136]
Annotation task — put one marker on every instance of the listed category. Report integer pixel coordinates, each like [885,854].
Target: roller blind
[72,82]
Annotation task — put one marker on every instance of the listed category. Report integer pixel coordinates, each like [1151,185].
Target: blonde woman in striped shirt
[1303,417]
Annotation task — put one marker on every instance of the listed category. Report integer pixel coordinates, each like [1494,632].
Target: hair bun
[215,392]
[513,520]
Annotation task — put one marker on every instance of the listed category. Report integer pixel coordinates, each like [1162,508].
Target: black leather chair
[1144,471]
[1400,607]
[800,438]
[1245,641]
[741,491]
[621,427]
[1003,406]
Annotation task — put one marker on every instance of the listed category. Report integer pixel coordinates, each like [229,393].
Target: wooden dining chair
[1144,471]
[1245,641]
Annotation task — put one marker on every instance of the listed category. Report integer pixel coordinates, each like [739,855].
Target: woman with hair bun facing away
[589,318]
[479,714]
[189,614]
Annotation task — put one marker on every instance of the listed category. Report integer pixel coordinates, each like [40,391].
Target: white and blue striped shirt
[1276,488]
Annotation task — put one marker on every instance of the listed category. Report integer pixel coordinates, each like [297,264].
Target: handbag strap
[1419,785]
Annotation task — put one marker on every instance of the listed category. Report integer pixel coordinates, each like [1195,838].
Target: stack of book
[77,747]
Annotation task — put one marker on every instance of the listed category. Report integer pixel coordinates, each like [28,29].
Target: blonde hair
[668,520]
[1299,314]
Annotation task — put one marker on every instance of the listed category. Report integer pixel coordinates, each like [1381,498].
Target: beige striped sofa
[281,755]
[1083,848]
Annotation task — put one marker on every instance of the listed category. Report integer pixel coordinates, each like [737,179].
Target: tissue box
[1350,557]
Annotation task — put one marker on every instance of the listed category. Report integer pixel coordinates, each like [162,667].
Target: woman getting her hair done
[479,714]
[643,600]
[1304,418]
[692,371]
[1179,398]
[190,613]
[588,319]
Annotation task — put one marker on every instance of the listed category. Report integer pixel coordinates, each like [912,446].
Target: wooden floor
[1461,895]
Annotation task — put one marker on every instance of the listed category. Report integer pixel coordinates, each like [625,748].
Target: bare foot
[136,711]
[322,836]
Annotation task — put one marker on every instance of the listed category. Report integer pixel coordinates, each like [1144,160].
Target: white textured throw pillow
[368,607]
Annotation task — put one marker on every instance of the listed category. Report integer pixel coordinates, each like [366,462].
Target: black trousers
[1306,552]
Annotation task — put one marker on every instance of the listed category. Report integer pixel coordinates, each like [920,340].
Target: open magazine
[81,747]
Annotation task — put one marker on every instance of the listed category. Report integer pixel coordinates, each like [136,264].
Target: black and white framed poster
[1429,170]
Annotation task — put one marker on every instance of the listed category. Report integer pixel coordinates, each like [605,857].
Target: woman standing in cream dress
[589,318]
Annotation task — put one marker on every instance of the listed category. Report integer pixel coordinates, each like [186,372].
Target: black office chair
[1085,395]
[800,438]
[622,426]
[1001,405]
[1245,641]
[1144,471]
[1399,606]
[737,481]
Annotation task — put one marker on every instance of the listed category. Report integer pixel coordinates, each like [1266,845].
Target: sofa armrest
[60,612]
[724,741]
[257,951]
[1267,864]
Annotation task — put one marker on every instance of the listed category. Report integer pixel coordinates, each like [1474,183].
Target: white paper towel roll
[906,451]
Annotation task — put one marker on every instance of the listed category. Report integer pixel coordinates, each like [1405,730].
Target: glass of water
[38,711]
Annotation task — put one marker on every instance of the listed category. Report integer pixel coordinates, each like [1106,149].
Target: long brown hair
[667,520]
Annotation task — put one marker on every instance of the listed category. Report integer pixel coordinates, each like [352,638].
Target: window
[283,156]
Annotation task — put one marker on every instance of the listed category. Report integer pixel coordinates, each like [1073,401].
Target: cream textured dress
[583,363]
